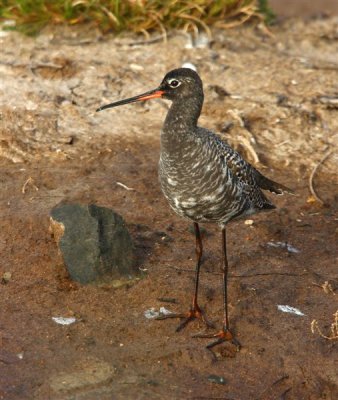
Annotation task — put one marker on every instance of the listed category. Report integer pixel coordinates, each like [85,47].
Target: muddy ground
[273,94]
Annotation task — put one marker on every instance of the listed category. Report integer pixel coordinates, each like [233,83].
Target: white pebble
[190,66]
[289,309]
[136,67]
[64,320]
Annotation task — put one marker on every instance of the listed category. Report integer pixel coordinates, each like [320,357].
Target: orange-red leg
[195,310]
[225,334]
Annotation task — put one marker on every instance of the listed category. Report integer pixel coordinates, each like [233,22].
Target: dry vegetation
[31,16]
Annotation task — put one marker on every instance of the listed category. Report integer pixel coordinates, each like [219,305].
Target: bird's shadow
[145,240]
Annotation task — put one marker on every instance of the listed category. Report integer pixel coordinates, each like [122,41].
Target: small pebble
[189,65]
[220,380]
[6,277]
[136,67]
[64,320]
[288,309]
[151,313]
[249,222]
[284,245]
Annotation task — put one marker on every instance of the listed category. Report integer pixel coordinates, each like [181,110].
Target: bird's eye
[174,83]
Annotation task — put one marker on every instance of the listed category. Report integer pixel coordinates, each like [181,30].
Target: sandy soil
[273,94]
[304,8]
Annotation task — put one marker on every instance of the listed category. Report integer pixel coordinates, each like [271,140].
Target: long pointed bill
[152,94]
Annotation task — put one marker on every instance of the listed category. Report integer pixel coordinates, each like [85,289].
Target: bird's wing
[268,184]
[242,171]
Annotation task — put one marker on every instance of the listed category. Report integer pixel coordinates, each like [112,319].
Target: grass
[31,16]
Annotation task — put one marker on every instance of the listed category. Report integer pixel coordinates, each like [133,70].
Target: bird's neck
[180,122]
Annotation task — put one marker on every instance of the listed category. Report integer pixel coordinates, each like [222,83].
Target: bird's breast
[197,187]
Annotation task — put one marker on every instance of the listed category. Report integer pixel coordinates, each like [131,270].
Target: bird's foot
[194,313]
[225,335]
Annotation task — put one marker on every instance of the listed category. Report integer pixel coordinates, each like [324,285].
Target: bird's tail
[274,187]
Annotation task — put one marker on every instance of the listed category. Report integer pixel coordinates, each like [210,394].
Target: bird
[204,181]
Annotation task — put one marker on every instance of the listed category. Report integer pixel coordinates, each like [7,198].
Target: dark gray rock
[94,242]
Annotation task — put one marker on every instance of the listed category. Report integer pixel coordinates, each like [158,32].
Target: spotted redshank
[203,178]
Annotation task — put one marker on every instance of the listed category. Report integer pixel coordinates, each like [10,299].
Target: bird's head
[178,84]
